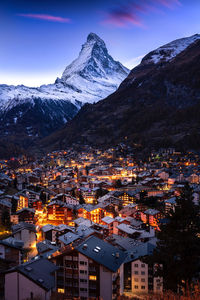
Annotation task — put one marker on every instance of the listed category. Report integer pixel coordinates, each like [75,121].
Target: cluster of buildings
[81,225]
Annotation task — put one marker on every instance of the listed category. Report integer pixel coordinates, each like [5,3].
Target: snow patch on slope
[170,50]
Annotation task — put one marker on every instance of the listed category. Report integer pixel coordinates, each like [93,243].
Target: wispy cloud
[121,18]
[169,3]
[132,13]
[46,17]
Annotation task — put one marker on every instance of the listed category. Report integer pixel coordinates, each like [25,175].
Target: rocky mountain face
[27,114]
[157,105]
[94,72]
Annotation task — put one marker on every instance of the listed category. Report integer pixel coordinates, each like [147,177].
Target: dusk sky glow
[40,38]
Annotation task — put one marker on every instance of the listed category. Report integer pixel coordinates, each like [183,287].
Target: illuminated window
[92,277]
[61,291]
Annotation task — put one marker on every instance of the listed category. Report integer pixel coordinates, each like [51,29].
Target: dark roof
[131,193]
[5,203]
[171,200]
[68,238]
[25,209]
[141,250]
[151,211]
[90,207]
[46,246]
[23,225]
[102,252]
[12,242]
[39,270]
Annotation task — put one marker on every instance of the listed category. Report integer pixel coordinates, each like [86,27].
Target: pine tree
[178,249]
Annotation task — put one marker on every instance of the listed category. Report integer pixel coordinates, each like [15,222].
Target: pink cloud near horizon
[46,17]
[133,12]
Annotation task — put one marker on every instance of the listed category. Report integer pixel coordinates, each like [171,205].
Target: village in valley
[82,224]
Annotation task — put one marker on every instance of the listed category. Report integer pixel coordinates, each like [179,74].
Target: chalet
[23,200]
[127,231]
[52,233]
[47,232]
[34,279]
[46,248]
[55,210]
[92,212]
[127,197]
[118,220]
[151,217]
[109,222]
[170,204]
[128,211]
[37,204]
[26,215]
[11,250]
[25,232]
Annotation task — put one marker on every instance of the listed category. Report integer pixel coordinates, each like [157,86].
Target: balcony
[92,286]
[68,284]
[92,294]
[92,269]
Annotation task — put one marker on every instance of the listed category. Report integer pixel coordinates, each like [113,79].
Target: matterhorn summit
[94,72]
[39,111]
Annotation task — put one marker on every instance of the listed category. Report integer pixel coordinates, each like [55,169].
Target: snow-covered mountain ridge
[170,50]
[30,113]
[91,77]
[158,58]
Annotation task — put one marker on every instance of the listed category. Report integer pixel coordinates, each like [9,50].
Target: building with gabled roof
[90,269]
[30,280]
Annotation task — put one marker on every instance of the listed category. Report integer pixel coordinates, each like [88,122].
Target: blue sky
[40,38]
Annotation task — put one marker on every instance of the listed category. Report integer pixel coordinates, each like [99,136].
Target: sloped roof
[102,252]
[39,270]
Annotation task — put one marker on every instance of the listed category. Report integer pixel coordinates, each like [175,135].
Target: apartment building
[89,270]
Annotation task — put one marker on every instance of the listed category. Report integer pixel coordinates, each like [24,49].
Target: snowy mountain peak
[170,50]
[94,71]
[93,38]
[91,77]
